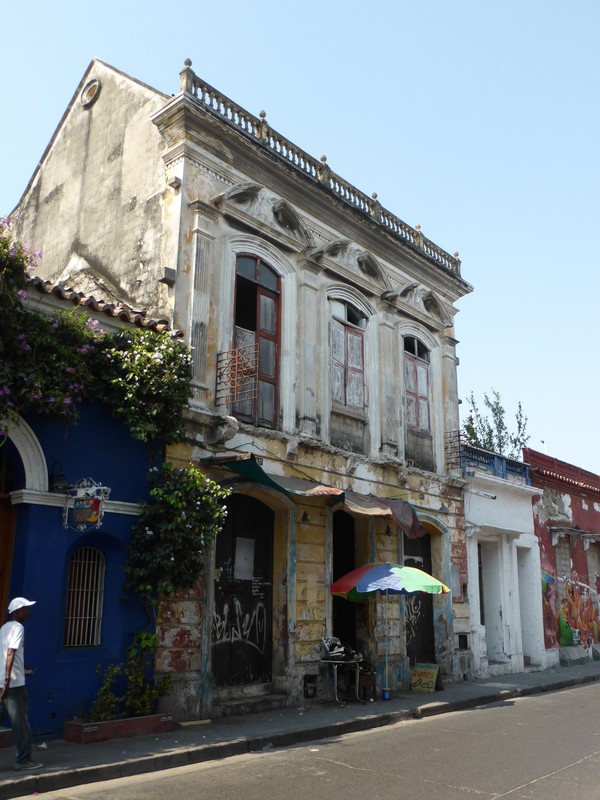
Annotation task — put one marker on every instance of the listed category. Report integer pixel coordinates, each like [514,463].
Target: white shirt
[12,637]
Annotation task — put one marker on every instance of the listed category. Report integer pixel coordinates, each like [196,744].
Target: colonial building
[503,565]
[325,391]
[566,512]
[69,495]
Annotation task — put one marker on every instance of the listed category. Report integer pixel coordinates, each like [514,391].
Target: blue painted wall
[66,679]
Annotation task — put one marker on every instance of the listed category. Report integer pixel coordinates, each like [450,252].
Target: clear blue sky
[477,120]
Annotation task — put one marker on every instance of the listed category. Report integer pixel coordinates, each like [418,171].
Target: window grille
[85,595]
[452,449]
[237,373]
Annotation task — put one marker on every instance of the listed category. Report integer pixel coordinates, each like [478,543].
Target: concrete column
[310,349]
[450,384]
[203,233]
[388,390]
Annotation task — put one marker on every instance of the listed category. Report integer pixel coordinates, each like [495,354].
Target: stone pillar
[449,387]
[310,349]
[388,394]
[203,232]
[179,653]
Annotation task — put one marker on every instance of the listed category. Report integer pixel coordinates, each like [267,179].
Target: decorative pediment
[425,300]
[259,209]
[243,192]
[332,249]
[351,258]
[369,266]
[289,219]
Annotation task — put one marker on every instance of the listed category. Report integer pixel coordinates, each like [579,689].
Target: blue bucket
[386,694]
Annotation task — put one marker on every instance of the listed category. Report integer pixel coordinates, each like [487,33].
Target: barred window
[257,325]
[85,595]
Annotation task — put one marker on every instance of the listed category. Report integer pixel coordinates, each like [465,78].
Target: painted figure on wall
[550,617]
[579,619]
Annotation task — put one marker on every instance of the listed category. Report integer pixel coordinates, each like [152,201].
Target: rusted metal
[452,450]
[237,375]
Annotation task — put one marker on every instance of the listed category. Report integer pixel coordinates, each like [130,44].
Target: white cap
[19,602]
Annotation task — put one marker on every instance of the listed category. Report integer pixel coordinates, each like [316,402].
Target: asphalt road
[544,746]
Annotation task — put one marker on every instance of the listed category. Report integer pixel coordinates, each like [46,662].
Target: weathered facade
[324,376]
[503,565]
[566,512]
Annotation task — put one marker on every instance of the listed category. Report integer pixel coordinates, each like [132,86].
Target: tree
[492,433]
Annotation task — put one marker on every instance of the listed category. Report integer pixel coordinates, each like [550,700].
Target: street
[543,746]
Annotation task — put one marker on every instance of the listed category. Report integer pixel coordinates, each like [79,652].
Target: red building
[567,522]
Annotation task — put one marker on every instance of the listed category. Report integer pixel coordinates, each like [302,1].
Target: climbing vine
[174,531]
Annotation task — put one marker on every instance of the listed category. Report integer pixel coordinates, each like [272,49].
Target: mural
[571,610]
[550,604]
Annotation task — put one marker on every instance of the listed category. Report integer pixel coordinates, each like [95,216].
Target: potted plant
[115,715]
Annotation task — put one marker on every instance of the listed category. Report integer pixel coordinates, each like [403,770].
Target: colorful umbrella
[386,578]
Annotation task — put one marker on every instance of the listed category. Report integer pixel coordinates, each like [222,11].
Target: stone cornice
[200,107]
[58,500]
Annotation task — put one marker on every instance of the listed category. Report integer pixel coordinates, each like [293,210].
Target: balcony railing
[237,372]
[471,459]
[259,130]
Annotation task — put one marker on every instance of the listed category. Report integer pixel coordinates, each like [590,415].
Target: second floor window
[257,327]
[416,384]
[347,355]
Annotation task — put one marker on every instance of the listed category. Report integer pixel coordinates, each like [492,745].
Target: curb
[56,781]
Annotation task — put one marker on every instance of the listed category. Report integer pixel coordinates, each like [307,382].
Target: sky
[478,121]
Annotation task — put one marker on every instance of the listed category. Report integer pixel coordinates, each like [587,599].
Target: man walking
[12,670]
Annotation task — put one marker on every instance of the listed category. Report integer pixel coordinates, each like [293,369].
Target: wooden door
[420,647]
[242,635]
[343,611]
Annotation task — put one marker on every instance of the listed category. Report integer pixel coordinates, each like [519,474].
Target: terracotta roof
[564,479]
[121,312]
[546,468]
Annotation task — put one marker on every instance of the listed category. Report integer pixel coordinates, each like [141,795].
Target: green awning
[246,465]
[357,505]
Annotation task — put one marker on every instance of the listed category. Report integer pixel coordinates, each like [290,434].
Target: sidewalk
[67,764]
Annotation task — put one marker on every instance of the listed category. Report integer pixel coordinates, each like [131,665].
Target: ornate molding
[59,500]
[31,453]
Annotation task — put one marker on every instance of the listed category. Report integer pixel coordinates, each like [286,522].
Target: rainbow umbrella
[385,578]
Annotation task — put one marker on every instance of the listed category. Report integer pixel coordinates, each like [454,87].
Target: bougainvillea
[48,364]
[16,258]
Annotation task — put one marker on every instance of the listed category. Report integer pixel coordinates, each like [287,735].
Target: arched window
[416,382]
[347,355]
[418,449]
[85,595]
[256,337]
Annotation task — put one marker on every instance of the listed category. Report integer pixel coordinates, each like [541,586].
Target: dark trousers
[16,703]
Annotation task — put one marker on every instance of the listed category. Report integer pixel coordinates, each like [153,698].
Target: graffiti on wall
[236,624]
[412,616]
[571,610]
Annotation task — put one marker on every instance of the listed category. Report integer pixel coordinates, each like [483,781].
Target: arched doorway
[343,612]
[7,532]
[242,629]
[420,643]
[22,465]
